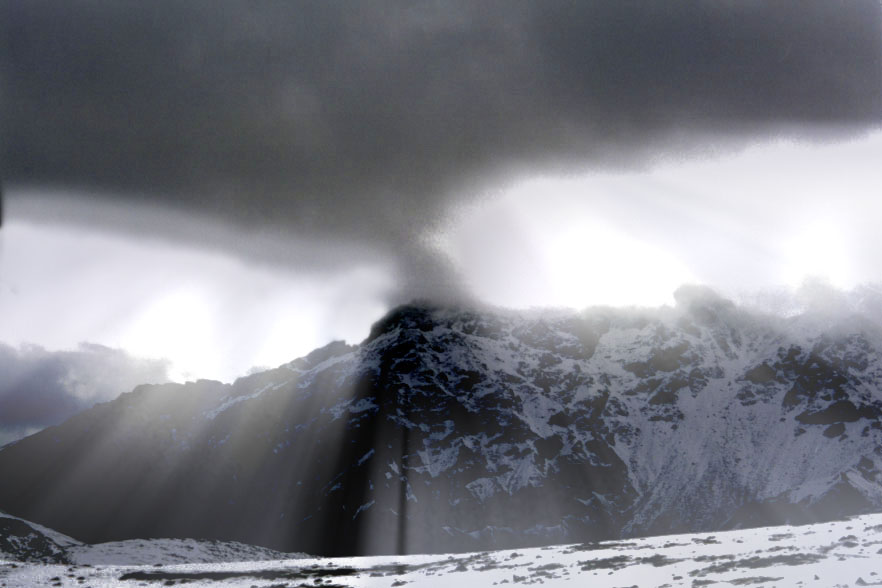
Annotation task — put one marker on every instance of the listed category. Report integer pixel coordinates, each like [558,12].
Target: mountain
[452,429]
[27,542]
[24,541]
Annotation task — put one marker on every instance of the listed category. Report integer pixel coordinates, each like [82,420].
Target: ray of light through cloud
[211,314]
[766,218]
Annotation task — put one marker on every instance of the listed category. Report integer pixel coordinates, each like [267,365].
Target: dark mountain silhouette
[453,429]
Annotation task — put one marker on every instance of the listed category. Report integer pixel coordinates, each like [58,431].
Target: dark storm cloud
[39,388]
[368,120]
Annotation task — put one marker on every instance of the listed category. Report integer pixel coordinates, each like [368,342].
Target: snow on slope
[501,429]
[706,409]
[169,551]
[835,554]
[24,541]
[59,539]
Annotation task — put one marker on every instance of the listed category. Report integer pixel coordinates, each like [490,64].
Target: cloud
[370,122]
[39,388]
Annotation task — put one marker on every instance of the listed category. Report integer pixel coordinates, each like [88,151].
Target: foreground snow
[841,553]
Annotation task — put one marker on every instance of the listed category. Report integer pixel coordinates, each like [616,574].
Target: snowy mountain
[24,541]
[27,542]
[452,429]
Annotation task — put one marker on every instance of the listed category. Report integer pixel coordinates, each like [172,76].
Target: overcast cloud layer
[334,137]
[366,122]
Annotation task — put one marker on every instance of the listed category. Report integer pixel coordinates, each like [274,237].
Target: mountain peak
[702,302]
[416,314]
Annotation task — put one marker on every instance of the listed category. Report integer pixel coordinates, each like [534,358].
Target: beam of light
[212,314]
[173,424]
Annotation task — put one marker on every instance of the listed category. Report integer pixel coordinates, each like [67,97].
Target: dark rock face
[452,430]
[22,542]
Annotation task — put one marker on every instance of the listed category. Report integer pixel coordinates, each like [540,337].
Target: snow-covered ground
[841,553]
[168,551]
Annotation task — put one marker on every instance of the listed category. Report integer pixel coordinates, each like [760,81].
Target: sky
[214,186]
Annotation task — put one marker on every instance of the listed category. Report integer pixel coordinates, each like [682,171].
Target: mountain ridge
[486,429]
[27,542]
